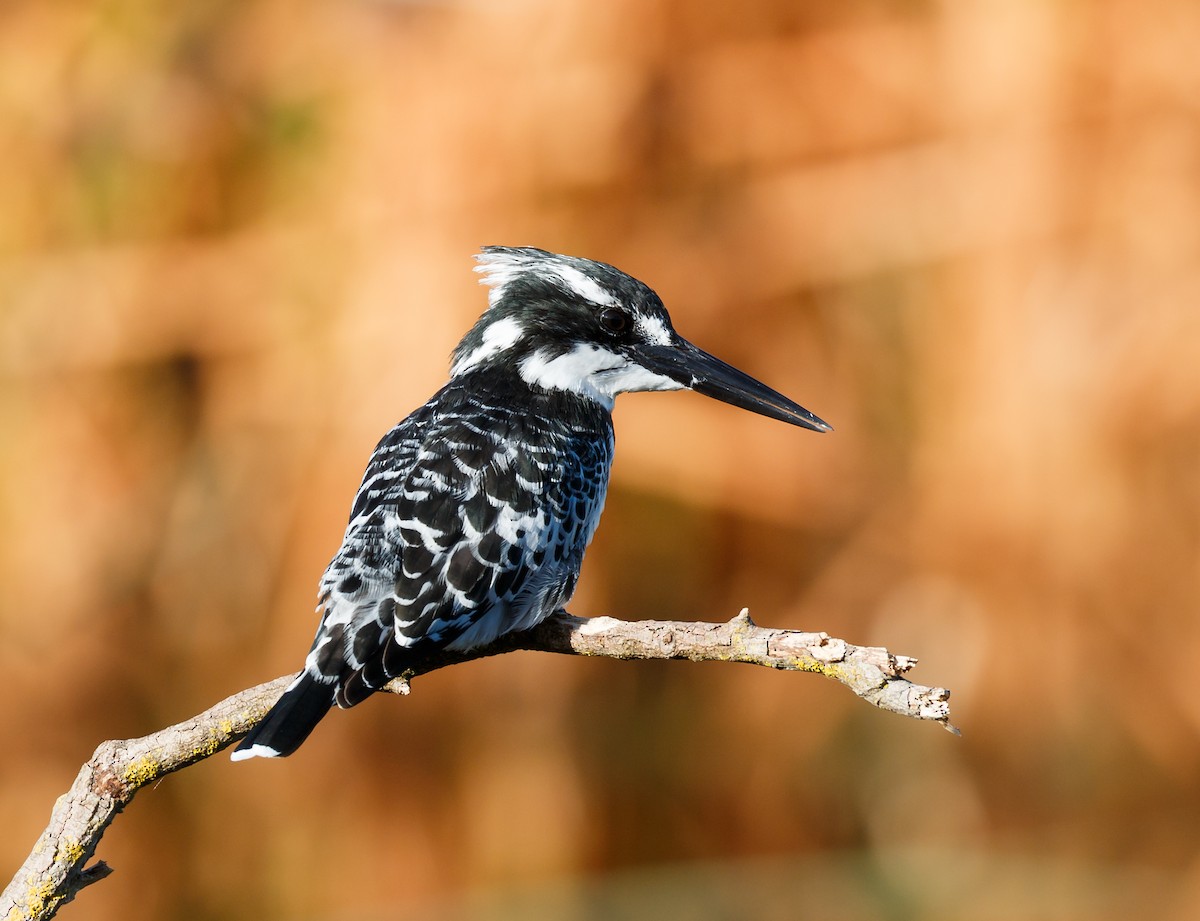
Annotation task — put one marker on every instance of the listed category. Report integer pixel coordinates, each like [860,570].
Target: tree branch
[59,866]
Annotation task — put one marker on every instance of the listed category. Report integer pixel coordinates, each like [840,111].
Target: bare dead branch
[58,868]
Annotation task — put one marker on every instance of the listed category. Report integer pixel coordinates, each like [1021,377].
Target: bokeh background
[235,248]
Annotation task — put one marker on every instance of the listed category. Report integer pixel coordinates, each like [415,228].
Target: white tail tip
[254,751]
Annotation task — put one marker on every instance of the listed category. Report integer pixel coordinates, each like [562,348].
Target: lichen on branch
[60,864]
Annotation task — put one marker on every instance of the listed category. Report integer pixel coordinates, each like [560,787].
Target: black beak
[695,369]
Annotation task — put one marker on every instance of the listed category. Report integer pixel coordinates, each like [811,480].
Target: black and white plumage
[474,512]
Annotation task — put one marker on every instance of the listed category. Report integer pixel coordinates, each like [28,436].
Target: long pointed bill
[696,370]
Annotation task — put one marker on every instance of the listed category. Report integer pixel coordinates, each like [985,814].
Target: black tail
[289,722]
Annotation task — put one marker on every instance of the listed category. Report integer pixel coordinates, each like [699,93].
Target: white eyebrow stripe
[584,286]
[653,330]
[498,270]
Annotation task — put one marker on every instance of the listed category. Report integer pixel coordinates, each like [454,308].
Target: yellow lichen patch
[140,772]
[738,648]
[832,670]
[40,900]
[208,746]
[71,850]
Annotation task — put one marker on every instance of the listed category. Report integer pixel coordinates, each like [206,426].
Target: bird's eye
[614,320]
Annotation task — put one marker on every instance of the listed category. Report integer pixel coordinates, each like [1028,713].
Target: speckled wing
[471,522]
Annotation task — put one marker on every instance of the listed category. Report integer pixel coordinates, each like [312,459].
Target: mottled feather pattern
[471,521]
[475,511]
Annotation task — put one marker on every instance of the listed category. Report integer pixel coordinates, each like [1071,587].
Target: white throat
[592,372]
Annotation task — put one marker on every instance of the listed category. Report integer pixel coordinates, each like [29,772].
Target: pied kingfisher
[474,512]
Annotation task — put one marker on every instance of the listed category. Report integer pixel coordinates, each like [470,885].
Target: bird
[474,512]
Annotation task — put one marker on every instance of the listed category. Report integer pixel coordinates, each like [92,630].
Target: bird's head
[565,323]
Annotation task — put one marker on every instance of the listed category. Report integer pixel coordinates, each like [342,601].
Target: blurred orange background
[235,248]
